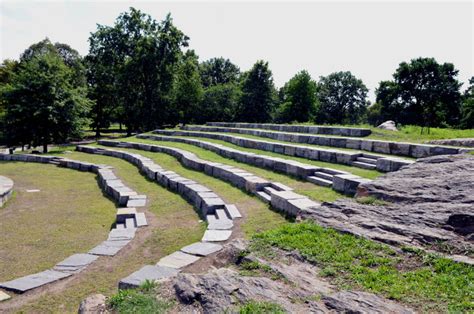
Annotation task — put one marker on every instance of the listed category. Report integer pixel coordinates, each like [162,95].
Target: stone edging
[385,164]
[341,181]
[6,189]
[127,221]
[376,146]
[312,129]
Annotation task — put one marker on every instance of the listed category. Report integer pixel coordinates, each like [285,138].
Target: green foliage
[220,103]
[370,200]
[428,281]
[423,93]
[188,91]
[260,307]
[218,71]
[299,99]
[467,110]
[258,94]
[138,301]
[342,97]
[44,104]
[136,62]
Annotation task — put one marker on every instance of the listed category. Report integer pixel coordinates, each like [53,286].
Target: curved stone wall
[312,129]
[376,146]
[381,163]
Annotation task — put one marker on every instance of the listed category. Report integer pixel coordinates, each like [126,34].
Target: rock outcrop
[429,204]
[388,125]
[93,304]
[466,142]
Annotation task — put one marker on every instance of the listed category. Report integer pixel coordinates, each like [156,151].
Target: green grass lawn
[176,225]
[369,174]
[424,281]
[258,215]
[315,192]
[68,215]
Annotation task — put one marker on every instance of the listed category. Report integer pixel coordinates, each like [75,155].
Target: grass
[369,174]
[315,192]
[424,281]
[175,225]
[40,229]
[370,200]
[260,307]
[259,217]
[143,300]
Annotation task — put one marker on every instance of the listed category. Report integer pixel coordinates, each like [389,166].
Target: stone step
[323,175]
[148,272]
[270,190]
[201,248]
[120,226]
[140,219]
[221,214]
[232,211]
[178,260]
[130,223]
[216,235]
[280,186]
[218,224]
[264,196]
[367,160]
[364,165]
[319,181]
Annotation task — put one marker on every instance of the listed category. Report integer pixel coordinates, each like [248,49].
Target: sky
[367,38]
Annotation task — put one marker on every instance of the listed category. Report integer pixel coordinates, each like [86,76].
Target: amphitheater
[185,197]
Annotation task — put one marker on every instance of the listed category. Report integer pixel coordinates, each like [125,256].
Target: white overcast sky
[369,39]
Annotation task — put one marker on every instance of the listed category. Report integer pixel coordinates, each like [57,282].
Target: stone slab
[201,248]
[109,248]
[140,219]
[33,281]
[216,235]
[136,202]
[80,259]
[177,260]
[232,211]
[148,272]
[4,296]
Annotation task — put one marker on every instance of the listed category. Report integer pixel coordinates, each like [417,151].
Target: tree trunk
[45,148]
[97,132]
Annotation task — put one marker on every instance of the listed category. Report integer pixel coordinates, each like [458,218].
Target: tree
[342,97]
[218,71]
[188,88]
[298,99]
[258,94]
[423,92]
[43,104]
[142,56]
[467,110]
[220,103]
[7,69]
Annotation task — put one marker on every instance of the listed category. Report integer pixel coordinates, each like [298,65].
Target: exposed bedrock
[429,204]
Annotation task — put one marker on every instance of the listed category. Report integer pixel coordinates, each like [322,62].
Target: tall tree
[423,92]
[43,104]
[188,91]
[257,103]
[144,55]
[298,99]
[467,110]
[220,103]
[218,71]
[342,97]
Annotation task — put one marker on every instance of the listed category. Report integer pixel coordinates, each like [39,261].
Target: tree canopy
[218,71]
[342,97]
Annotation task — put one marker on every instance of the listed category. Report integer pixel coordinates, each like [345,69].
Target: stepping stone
[141,220]
[148,272]
[232,211]
[136,201]
[120,235]
[130,223]
[219,224]
[177,260]
[216,235]
[124,213]
[29,282]
[4,296]
[109,248]
[75,263]
[201,248]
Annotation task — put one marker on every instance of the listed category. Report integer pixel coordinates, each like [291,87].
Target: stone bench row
[127,220]
[208,203]
[313,129]
[6,189]
[376,146]
[342,182]
[385,164]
